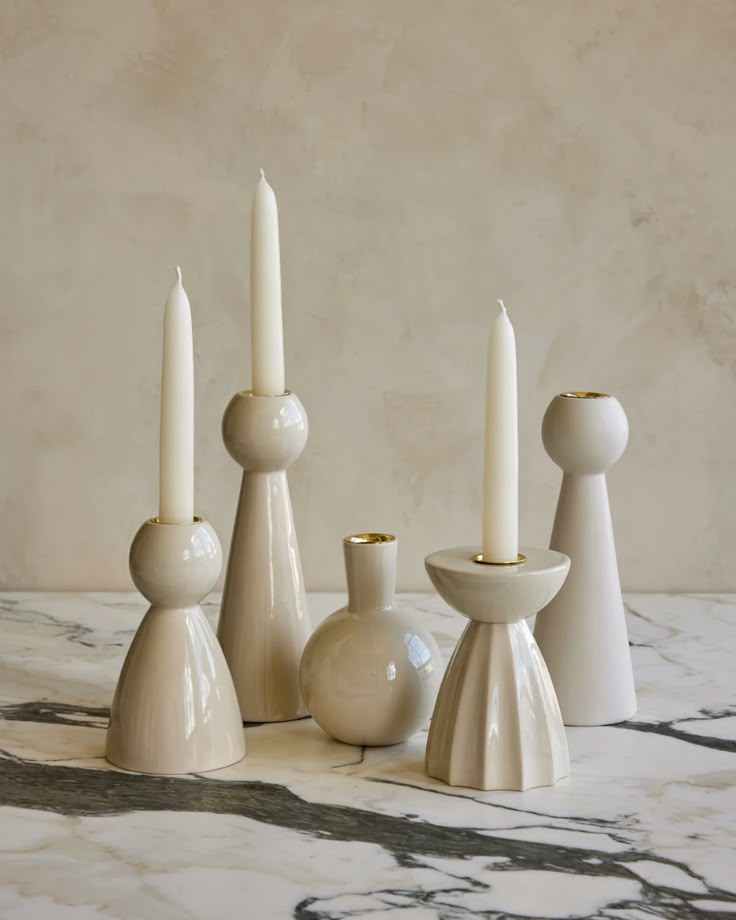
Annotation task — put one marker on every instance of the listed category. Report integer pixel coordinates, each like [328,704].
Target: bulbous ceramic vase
[370,672]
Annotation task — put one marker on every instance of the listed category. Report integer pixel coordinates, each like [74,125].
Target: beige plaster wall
[574,157]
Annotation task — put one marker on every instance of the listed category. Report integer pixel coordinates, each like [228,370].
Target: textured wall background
[575,158]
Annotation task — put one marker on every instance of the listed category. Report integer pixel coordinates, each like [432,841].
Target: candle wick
[178,273]
[261,174]
[503,308]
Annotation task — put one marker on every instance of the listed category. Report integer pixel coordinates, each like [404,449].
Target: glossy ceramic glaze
[370,672]
[175,708]
[583,631]
[263,623]
[496,723]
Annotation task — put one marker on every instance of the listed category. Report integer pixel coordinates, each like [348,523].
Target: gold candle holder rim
[584,394]
[520,560]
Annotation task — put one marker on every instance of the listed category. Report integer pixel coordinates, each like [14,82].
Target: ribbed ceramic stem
[370,567]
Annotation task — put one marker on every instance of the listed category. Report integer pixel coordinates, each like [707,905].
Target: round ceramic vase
[370,672]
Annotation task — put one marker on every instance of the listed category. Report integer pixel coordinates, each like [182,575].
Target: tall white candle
[501,479]
[267,332]
[176,457]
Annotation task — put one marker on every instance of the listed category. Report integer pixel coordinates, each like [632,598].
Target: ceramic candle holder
[496,723]
[582,633]
[175,708]
[370,671]
[263,624]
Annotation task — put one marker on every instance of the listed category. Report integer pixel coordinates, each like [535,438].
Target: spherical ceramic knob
[264,433]
[585,432]
[175,565]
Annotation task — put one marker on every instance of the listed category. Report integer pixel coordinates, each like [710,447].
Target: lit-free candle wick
[178,273]
[502,306]
[261,174]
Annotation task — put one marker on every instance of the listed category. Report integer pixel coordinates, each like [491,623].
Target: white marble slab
[309,828]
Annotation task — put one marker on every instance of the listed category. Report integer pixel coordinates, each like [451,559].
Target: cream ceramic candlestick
[582,634]
[175,708]
[263,624]
[496,723]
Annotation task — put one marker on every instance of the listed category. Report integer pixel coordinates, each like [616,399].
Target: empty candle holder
[496,723]
[582,633]
[175,709]
[263,624]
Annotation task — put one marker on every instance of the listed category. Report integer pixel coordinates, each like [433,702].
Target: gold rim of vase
[363,538]
[194,520]
[582,394]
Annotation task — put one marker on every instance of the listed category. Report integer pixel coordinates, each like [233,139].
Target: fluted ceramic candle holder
[175,708]
[496,723]
[582,633]
[263,624]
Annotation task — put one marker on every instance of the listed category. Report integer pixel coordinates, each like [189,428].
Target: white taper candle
[267,333]
[176,456]
[501,474]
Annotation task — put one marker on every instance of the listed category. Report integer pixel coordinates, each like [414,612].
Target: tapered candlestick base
[175,708]
[582,633]
[496,723]
[263,624]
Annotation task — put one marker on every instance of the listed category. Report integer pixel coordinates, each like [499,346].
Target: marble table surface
[308,828]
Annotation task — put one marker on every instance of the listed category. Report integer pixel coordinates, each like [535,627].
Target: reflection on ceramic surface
[264,623]
[175,708]
[370,672]
[496,723]
[582,633]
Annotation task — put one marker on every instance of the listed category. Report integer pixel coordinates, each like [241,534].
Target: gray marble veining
[309,828]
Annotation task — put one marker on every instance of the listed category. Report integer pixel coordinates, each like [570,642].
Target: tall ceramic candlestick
[176,457]
[267,333]
[263,624]
[501,479]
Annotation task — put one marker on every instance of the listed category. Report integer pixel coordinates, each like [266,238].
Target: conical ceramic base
[175,709]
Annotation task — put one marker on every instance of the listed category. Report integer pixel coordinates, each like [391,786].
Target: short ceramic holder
[496,723]
[175,708]
[264,624]
[582,634]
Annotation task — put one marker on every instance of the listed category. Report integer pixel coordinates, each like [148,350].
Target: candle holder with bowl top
[175,709]
[264,625]
[496,723]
